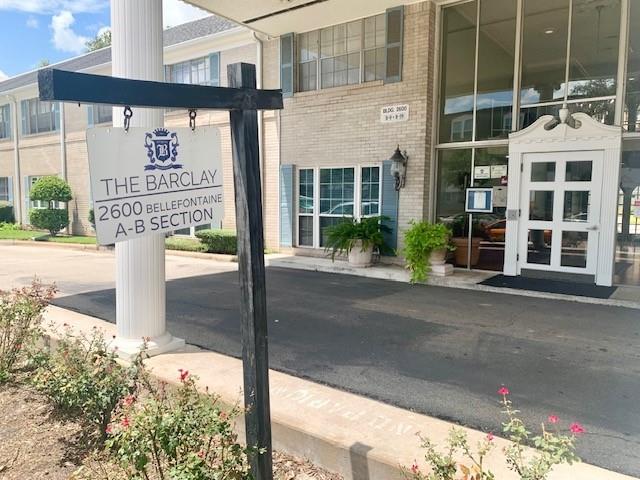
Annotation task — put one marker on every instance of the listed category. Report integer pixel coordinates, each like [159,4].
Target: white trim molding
[582,133]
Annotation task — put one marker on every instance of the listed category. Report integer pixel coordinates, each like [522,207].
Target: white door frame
[587,135]
[557,224]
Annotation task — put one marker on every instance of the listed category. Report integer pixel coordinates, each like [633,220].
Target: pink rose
[503,391]
[576,428]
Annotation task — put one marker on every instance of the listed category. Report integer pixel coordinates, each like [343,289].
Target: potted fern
[358,239]
[425,244]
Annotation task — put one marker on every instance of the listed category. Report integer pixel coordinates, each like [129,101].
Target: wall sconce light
[399,167]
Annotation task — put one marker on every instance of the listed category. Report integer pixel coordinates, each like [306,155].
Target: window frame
[6,121]
[54,116]
[6,195]
[357,198]
[320,59]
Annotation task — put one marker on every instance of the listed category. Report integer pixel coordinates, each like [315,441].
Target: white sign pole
[140,270]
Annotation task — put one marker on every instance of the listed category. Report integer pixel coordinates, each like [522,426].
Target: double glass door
[560,211]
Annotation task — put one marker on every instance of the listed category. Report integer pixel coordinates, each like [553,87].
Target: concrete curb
[359,438]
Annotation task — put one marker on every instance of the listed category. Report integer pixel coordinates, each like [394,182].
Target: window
[5,122]
[4,189]
[195,72]
[349,53]
[39,117]
[632,101]
[370,188]
[305,207]
[327,195]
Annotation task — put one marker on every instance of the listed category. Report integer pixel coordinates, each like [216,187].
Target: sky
[55,30]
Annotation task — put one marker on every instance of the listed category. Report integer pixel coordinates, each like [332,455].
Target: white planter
[438,256]
[360,258]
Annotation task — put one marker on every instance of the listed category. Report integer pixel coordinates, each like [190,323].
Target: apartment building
[48,138]
[534,100]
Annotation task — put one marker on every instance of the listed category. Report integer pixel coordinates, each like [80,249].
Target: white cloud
[3,76]
[32,22]
[64,38]
[102,30]
[54,6]
[176,12]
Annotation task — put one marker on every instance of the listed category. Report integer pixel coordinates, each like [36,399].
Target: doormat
[549,286]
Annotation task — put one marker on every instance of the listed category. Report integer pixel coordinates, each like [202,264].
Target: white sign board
[498,171]
[154,180]
[482,172]
[394,113]
[479,200]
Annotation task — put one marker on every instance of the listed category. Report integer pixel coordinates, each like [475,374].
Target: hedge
[6,213]
[219,241]
[51,219]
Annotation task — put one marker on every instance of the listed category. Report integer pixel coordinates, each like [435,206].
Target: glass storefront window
[496,54]
[491,227]
[454,176]
[544,50]
[595,30]
[631,120]
[458,70]
[627,266]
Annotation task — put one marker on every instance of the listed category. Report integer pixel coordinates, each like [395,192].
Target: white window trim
[357,199]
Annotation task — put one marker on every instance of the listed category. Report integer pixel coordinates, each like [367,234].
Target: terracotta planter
[438,256]
[460,253]
[358,257]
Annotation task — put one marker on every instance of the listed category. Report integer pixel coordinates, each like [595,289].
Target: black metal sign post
[242,100]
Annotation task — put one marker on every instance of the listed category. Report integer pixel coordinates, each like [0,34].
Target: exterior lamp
[399,167]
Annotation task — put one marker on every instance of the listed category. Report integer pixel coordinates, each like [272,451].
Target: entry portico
[561,207]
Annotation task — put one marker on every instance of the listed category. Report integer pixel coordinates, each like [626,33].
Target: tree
[43,63]
[102,40]
[50,189]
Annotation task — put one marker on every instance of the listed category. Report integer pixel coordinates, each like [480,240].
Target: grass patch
[77,239]
[184,244]
[12,232]
[19,234]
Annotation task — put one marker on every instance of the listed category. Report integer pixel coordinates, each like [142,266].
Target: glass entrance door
[560,211]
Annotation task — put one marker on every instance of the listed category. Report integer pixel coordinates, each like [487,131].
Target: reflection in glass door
[561,211]
[627,267]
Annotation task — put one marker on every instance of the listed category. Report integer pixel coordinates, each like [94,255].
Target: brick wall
[341,126]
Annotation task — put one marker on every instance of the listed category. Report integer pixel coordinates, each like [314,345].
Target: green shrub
[370,230]
[9,227]
[50,189]
[6,212]
[92,218]
[219,241]
[184,244]
[83,377]
[420,240]
[176,434]
[51,219]
[20,319]
[553,446]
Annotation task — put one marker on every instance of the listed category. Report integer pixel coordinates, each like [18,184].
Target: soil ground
[37,443]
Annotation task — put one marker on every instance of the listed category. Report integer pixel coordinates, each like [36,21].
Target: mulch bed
[36,442]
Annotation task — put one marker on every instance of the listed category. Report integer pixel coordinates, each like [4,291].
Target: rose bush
[552,447]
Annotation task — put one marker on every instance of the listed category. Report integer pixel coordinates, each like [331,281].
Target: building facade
[48,138]
[474,76]
[534,101]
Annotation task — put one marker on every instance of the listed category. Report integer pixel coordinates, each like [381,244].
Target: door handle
[593,228]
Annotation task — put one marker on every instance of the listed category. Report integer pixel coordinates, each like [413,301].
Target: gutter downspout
[63,150]
[17,180]
[259,59]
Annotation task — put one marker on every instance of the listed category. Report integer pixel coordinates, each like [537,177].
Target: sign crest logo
[162,151]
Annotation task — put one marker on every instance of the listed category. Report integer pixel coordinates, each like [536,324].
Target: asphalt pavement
[435,350]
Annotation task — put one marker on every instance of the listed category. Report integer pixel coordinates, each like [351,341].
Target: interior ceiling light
[549,31]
